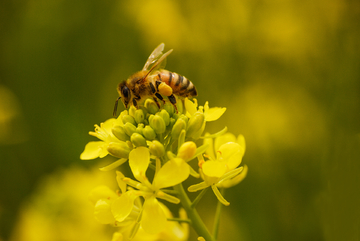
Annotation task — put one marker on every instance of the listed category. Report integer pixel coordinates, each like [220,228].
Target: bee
[154,81]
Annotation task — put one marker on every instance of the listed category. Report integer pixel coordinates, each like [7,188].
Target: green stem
[197,199]
[180,220]
[217,216]
[196,220]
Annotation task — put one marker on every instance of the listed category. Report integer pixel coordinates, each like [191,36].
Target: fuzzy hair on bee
[153,81]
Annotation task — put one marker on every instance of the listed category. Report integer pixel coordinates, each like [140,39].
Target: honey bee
[154,81]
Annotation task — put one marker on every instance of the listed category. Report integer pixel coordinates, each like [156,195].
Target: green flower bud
[165,115]
[169,108]
[195,124]
[138,140]
[129,128]
[175,116]
[128,118]
[149,133]
[184,117]
[119,132]
[178,126]
[150,117]
[171,124]
[151,106]
[198,133]
[119,149]
[139,116]
[158,124]
[187,150]
[140,128]
[132,110]
[157,149]
[180,106]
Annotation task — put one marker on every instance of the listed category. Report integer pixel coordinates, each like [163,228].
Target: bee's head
[124,95]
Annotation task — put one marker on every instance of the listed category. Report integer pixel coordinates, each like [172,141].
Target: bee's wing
[157,59]
[154,56]
[157,63]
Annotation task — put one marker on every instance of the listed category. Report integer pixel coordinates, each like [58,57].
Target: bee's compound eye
[126,92]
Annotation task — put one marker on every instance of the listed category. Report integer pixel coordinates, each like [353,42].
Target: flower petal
[214,168]
[121,183]
[102,192]
[93,150]
[172,173]
[139,160]
[122,206]
[214,113]
[241,141]
[232,154]
[227,137]
[103,213]
[190,106]
[153,217]
[108,125]
[235,180]
[210,151]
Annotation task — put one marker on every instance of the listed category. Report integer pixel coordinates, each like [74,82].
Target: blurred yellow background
[287,71]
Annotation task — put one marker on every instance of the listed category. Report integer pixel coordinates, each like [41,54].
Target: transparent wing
[157,59]
[155,55]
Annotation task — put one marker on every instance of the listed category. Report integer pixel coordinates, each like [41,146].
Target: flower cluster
[165,144]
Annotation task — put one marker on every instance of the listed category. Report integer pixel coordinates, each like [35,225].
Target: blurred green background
[287,71]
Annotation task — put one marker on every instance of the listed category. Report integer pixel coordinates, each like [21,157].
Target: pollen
[164,89]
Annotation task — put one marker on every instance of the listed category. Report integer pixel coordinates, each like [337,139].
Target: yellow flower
[103,198]
[211,114]
[199,116]
[221,170]
[173,172]
[173,230]
[108,144]
[96,149]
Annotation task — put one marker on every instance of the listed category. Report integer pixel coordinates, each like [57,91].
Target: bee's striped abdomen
[180,84]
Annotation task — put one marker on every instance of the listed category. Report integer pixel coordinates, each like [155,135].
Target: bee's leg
[134,103]
[134,100]
[156,101]
[160,97]
[173,101]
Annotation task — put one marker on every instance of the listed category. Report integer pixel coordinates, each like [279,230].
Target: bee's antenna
[115,107]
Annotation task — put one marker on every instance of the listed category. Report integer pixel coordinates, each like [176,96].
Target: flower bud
[138,140]
[169,108]
[184,117]
[119,132]
[157,149]
[151,106]
[149,133]
[165,115]
[129,128]
[195,124]
[140,128]
[180,106]
[118,149]
[132,110]
[158,124]
[128,118]
[139,116]
[187,150]
[177,128]
[150,117]
[171,124]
